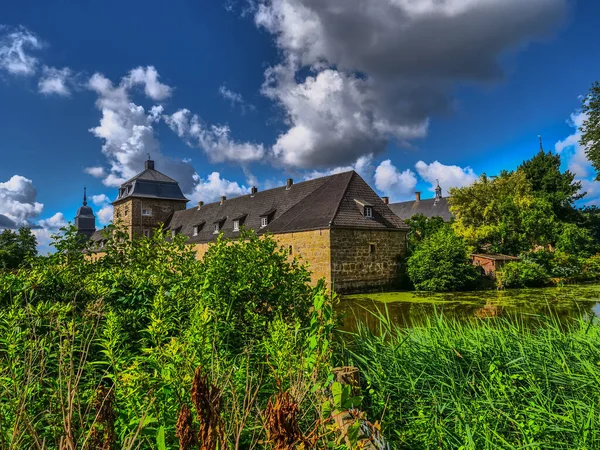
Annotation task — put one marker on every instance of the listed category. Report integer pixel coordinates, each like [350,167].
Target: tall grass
[500,384]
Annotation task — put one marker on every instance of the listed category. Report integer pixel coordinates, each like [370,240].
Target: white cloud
[363,166]
[98,172]
[100,199]
[214,140]
[448,176]
[573,153]
[394,183]
[18,205]
[148,77]
[375,74]
[55,81]
[235,99]
[213,187]
[15,44]
[127,130]
[46,229]
[56,222]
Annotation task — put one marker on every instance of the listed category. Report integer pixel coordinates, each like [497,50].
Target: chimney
[149,164]
[200,204]
[288,183]
[386,200]
[254,190]
[223,198]
[418,196]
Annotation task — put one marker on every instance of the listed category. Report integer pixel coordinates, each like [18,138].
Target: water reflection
[409,308]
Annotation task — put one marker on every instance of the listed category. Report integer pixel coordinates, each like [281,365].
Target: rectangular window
[264,221]
[126,212]
[236,225]
[216,229]
[196,230]
[147,212]
[371,249]
[147,233]
[368,212]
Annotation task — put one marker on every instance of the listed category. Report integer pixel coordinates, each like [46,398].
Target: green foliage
[441,263]
[590,129]
[17,248]
[547,181]
[248,282]
[502,215]
[576,240]
[524,273]
[482,385]
[422,227]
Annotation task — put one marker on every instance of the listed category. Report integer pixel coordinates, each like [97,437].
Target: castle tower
[85,221]
[146,201]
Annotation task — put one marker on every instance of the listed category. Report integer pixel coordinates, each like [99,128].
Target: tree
[547,181]
[590,130]
[576,240]
[502,214]
[441,263]
[17,248]
[422,227]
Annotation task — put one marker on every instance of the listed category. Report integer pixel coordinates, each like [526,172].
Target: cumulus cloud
[363,166]
[15,47]
[448,176]
[394,183]
[212,187]
[127,129]
[573,153]
[18,205]
[378,70]
[148,78]
[46,229]
[100,199]
[214,140]
[55,81]
[235,99]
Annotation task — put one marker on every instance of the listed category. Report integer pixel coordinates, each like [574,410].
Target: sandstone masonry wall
[364,259]
[129,213]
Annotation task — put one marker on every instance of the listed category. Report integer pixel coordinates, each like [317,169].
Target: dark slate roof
[309,205]
[151,184]
[430,207]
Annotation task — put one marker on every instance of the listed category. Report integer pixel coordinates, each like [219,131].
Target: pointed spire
[541,143]
[438,190]
[84,196]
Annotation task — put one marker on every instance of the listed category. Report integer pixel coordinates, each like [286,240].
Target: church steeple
[85,221]
[438,191]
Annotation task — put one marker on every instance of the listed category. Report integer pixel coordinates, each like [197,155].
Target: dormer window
[147,212]
[236,225]
[216,230]
[195,233]
[173,233]
[369,212]
[264,221]
[365,208]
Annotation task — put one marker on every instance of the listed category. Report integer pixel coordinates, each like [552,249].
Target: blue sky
[228,94]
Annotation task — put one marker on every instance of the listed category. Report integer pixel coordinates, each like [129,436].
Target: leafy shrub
[440,263]
[591,267]
[575,240]
[522,274]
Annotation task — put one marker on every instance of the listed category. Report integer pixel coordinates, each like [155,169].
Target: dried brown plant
[207,398]
[281,423]
[185,431]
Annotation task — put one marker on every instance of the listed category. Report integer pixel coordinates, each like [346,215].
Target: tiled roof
[430,207]
[309,205]
[495,257]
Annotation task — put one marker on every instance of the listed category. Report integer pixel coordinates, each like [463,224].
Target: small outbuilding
[491,262]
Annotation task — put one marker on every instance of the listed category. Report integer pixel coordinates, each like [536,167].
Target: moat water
[411,308]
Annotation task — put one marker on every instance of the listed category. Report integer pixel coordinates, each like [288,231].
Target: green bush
[440,263]
[525,273]
[575,240]
[591,267]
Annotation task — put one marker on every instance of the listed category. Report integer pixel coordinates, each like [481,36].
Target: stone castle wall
[365,259]
[309,246]
[129,214]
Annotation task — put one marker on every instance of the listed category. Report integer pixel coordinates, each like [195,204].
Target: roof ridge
[337,209]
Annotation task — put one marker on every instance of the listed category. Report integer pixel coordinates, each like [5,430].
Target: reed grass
[507,383]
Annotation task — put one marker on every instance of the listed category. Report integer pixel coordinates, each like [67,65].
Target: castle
[338,224]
